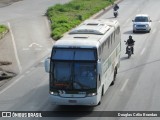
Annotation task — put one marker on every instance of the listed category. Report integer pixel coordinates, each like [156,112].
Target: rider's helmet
[130,37]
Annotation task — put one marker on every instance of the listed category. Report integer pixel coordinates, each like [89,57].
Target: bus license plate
[72,101]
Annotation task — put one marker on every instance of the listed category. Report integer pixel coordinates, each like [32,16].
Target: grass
[3,31]
[3,28]
[69,15]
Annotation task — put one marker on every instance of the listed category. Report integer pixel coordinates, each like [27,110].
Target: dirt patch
[4,3]
[5,74]
[5,63]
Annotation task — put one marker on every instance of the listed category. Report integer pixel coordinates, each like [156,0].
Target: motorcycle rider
[116,7]
[115,10]
[130,42]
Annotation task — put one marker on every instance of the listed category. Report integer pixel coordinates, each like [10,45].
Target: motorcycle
[115,13]
[129,50]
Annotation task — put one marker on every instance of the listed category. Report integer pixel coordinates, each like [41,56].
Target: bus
[84,63]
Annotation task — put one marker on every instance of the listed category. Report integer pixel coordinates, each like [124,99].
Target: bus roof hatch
[91,27]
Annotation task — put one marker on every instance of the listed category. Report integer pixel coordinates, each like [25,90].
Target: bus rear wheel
[114,76]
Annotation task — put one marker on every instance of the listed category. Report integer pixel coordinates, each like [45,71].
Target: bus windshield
[84,76]
[73,75]
[62,74]
[74,54]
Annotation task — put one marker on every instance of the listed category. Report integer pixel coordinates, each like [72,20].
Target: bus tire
[99,102]
[112,83]
[114,76]
[102,93]
[115,70]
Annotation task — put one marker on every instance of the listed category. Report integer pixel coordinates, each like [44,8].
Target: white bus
[84,63]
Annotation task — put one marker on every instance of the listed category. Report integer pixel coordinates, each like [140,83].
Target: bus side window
[114,36]
[111,38]
[108,42]
[109,62]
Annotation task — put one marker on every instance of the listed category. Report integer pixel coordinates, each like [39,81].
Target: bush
[3,28]
[64,17]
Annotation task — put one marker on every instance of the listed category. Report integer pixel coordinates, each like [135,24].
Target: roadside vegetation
[67,16]
[3,30]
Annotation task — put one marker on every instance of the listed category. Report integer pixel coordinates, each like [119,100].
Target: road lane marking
[143,51]
[14,82]
[28,72]
[124,85]
[15,49]
[35,44]
[128,20]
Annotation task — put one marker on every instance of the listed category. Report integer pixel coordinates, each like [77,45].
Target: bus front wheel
[102,93]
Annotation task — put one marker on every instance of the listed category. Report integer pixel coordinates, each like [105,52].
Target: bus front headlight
[91,94]
[54,93]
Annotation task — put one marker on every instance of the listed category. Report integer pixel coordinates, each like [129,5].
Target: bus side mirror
[132,20]
[47,64]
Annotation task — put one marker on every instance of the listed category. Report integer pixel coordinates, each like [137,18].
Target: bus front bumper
[88,101]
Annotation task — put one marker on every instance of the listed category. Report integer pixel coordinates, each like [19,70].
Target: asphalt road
[29,38]
[137,85]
